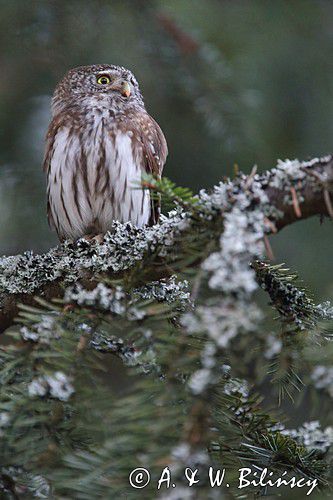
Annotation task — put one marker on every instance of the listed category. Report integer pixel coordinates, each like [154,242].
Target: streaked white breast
[78,195]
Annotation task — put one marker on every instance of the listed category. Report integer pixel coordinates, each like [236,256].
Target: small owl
[99,143]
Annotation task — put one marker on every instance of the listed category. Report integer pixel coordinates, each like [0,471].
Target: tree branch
[292,190]
[303,192]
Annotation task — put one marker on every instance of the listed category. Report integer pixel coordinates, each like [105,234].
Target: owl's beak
[123,87]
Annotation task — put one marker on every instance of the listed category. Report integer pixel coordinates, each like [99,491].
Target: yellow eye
[103,80]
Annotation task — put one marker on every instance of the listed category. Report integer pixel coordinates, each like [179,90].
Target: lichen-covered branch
[289,192]
[299,190]
[175,305]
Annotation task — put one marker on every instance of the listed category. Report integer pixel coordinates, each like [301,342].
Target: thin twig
[185,42]
[296,206]
[328,203]
[313,174]
[269,250]
[271,225]
[250,177]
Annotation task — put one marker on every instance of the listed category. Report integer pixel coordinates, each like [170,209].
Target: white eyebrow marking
[106,72]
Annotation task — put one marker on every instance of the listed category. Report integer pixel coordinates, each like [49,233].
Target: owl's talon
[99,238]
[87,237]
[93,238]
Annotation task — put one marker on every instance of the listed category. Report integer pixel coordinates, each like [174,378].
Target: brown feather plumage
[99,143]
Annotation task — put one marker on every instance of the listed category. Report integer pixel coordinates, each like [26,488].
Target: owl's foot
[99,238]
[94,238]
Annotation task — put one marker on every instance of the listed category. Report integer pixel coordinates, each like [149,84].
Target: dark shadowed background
[230,82]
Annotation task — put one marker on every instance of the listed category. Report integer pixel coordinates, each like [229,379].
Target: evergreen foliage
[136,362]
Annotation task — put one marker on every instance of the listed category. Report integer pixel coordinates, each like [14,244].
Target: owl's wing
[53,129]
[154,154]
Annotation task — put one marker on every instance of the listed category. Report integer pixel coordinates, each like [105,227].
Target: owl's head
[105,82]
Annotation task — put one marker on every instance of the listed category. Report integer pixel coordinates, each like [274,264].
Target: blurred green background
[243,82]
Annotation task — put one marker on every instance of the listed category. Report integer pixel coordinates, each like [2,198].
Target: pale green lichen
[126,245]
[57,385]
[121,249]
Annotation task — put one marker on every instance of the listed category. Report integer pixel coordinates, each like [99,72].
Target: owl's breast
[94,179]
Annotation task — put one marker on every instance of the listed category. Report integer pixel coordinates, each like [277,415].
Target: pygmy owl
[99,143]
